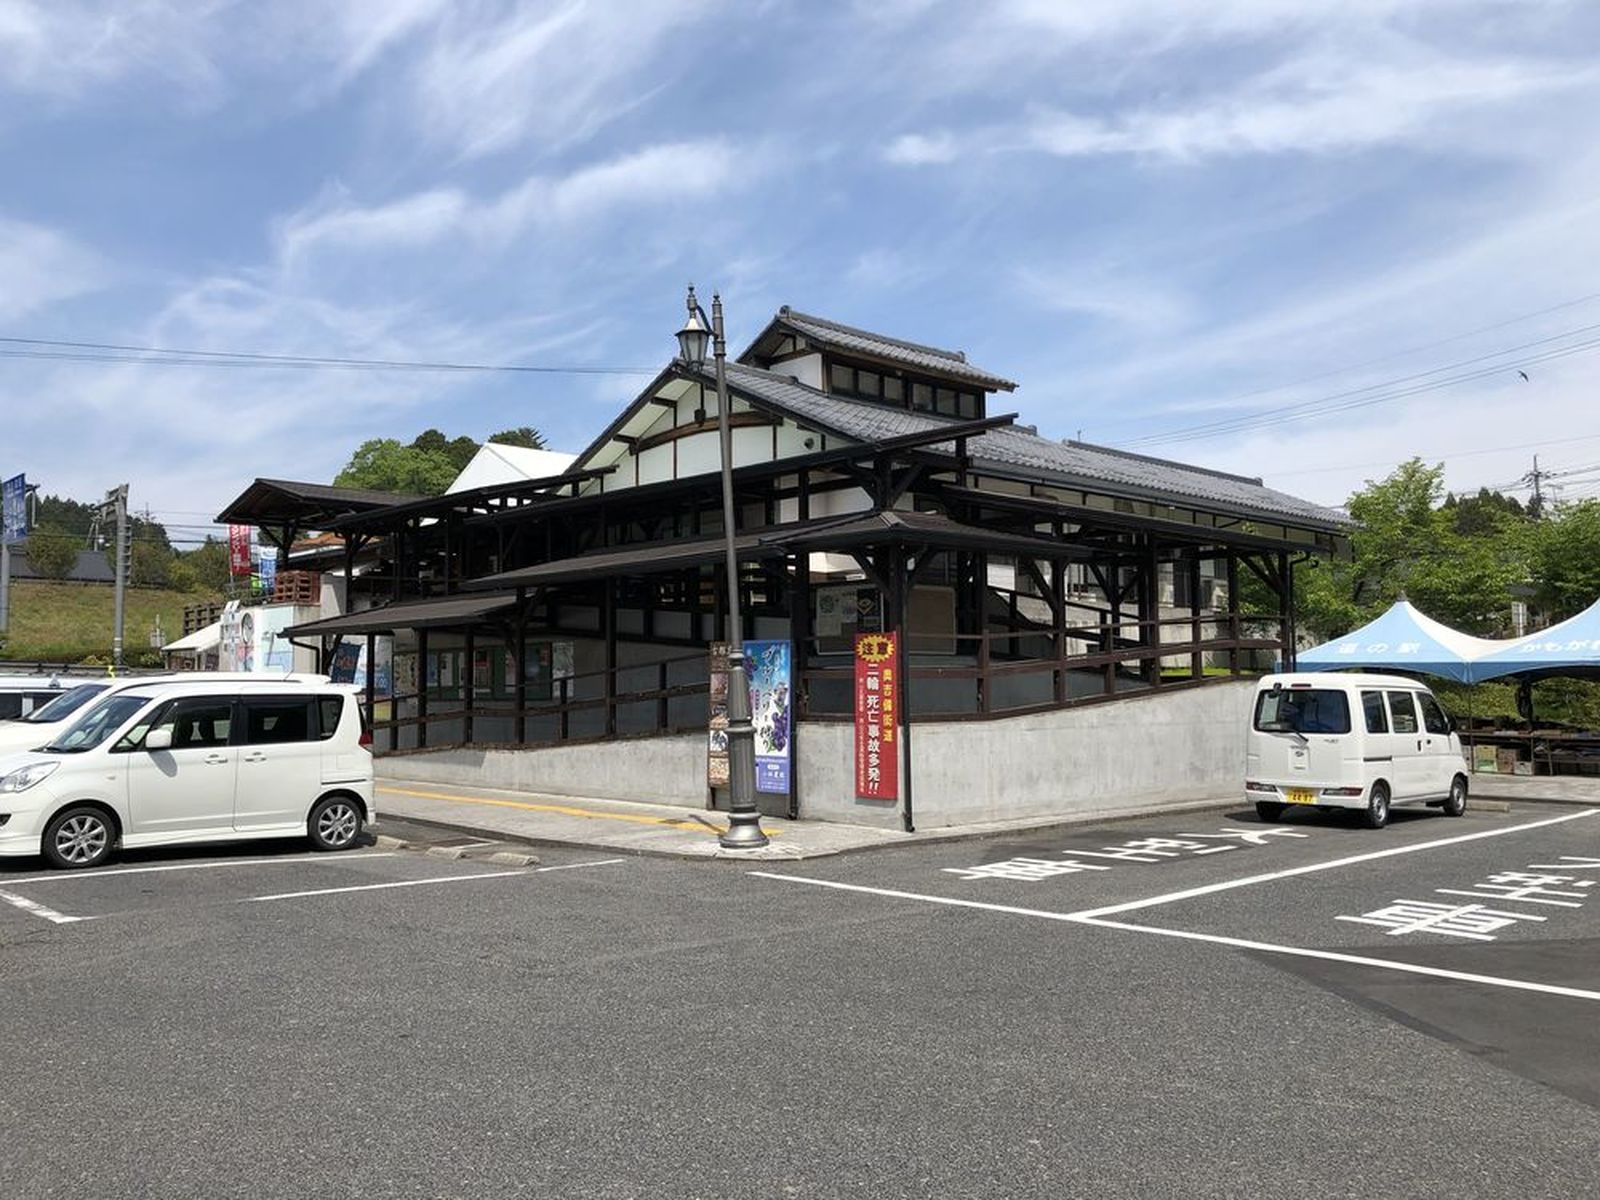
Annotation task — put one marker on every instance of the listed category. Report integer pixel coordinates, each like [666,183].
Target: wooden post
[1233,611]
[609,620]
[519,690]
[468,685]
[1150,611]
[1197,660]
[1058,588]
[422,688]
[372,678]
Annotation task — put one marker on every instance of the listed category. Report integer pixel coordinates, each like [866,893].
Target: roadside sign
[14,500]
[877,716]
[767,667]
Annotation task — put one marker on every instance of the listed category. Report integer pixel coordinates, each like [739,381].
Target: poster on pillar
[717,717]
[766,667]
[877,713]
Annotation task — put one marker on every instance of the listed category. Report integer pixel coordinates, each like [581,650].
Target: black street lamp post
[744,822]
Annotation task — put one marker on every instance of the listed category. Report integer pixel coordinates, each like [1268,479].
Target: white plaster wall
[655,464]
[1136,753]
[663,770]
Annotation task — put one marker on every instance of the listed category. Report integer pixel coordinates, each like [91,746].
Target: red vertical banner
[238,549]
[877,716]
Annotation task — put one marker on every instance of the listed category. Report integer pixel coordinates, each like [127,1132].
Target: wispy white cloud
[41,267]
[1106,294]
[1315,105]
[552,74]
[649,179]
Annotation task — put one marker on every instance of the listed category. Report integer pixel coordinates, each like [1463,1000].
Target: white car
[1366,742]
[196,761]
[23,694]
[39,726]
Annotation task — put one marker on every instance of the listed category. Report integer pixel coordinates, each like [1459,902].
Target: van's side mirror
[158,739]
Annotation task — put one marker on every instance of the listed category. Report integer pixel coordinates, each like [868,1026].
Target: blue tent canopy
[1569,648]
[1403,639]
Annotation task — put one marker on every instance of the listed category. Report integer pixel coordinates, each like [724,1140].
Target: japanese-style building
[1063,607]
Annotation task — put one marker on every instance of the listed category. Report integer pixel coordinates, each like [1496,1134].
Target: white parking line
[1387,964]
[1349,860]
[37,909]
[373,887]
[66,876]
[604,862]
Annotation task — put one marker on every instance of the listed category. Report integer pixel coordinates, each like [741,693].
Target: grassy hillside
[70,622]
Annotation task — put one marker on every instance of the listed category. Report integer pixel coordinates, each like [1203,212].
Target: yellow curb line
[565,810]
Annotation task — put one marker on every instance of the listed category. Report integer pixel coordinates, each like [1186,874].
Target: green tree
[1566,558]
[53,552]
[152,564]
[181,575]
[1407,543]
[458,451]
[209,564]
[523,435]
[386,465]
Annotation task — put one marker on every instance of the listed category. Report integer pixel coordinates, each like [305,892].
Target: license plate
[1300,796]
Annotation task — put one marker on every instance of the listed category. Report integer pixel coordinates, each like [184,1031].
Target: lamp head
[695,335]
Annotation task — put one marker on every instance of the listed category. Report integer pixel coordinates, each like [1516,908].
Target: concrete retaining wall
[663,770]
[1137,753]
[1134,754]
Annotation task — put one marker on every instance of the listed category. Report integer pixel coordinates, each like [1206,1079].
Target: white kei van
[194,761]
[1351,741]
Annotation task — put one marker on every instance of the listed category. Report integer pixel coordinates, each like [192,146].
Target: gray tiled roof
[1076,464]
[877,345]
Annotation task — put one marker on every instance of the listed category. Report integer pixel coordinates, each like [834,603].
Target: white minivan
[42,724]
[1351,741]
[193,761]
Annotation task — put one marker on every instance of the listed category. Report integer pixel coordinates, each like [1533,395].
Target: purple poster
[767,667]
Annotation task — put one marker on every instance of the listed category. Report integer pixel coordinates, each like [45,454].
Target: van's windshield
[64,705]
[96,725]
[1303,710]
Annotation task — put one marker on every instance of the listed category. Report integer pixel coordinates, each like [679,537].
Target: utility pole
[1537,477]
[116,505]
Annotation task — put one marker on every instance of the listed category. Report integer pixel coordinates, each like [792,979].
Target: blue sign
[14,500]
[269,572]
[771,707]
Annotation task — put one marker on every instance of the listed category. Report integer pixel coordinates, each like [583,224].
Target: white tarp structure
[1571,647]
[1403,639]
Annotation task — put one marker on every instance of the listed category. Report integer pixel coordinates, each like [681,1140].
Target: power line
[1447,456]
[1372,362]
[1362,397]
[113,352]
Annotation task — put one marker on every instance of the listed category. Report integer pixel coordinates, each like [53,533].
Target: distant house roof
[847,338]
[92,567]
[1075,464]
[497,463]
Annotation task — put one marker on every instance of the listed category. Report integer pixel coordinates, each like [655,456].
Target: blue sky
[1153,214]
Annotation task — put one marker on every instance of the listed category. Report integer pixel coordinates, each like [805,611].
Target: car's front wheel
[79,838]
[1376,815]
[335,823]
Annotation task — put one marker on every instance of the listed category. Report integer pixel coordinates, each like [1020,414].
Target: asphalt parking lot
[1168,1007]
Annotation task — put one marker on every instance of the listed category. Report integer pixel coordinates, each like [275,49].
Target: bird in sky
[1524,375]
